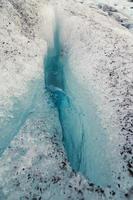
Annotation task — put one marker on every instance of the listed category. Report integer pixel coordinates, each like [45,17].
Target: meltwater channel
[84,138]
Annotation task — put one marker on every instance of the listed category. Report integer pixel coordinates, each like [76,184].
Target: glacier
[66,100]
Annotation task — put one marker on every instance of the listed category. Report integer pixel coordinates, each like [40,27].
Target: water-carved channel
[83,136]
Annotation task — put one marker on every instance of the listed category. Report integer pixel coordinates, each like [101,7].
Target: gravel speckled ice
[99,52]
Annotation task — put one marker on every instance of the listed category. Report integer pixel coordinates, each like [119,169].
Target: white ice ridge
[96,53]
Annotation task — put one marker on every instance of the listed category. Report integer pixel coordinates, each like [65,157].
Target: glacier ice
[88,77]
[16,116]
[84,138]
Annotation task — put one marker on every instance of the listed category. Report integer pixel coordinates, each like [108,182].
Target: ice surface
[88,73]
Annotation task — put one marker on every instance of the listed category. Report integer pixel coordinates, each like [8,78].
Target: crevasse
[16,117]
[83,136]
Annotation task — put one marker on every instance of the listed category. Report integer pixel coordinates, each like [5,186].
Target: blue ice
[84,137]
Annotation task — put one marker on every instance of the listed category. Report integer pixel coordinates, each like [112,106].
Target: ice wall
[84,138]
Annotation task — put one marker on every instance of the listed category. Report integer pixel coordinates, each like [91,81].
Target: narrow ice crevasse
[20,111]
[84,137]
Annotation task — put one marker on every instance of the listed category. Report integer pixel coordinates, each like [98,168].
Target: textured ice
[89,77]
